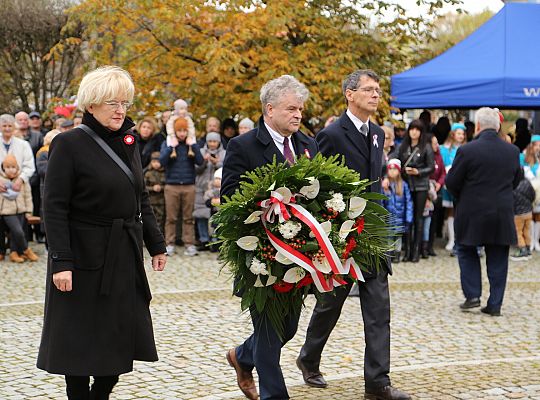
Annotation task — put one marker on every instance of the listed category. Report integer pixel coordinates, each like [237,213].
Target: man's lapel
[376,142]
[353,135]
[301,144]
[270,148]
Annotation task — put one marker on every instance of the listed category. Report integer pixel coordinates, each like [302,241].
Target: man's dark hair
[351,82]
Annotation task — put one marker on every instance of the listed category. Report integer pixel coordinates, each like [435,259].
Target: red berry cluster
[296,243]
[319,254]
[332,214]
[268,252]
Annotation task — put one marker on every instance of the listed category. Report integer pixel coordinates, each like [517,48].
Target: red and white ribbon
[352,268]
[300,259]
[276,205]
[330,253]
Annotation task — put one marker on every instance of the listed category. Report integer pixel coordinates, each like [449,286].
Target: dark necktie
[289,156]
[364,129]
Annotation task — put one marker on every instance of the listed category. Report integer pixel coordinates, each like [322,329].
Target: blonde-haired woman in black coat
[97,216]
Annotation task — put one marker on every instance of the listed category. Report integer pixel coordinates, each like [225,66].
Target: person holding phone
[416,156]
[213,154]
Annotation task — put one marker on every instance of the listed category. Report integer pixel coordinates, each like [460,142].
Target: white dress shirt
[357,121]
[278,140]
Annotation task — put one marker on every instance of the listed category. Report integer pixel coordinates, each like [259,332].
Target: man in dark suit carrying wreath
[277,135]
[361,143]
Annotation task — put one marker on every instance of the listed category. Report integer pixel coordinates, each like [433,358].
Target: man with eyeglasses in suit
[361,143]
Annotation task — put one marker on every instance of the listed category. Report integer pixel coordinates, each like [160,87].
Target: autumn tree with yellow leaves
[217,54]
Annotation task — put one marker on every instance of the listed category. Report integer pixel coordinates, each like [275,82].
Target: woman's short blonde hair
[103,84]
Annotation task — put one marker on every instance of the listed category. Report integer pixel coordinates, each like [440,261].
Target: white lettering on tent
[531,92]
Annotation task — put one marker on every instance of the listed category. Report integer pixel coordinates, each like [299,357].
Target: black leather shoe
[470,303]
[386,393]
[312,378]
[492,312]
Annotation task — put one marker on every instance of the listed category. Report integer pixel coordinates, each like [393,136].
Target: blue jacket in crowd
[399,207]
[180,170]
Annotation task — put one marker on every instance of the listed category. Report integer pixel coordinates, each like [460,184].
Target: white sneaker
[191,251]
[170,250]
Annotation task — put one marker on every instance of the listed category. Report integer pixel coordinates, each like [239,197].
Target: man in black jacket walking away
[483,176]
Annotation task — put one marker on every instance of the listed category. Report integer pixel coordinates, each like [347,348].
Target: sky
[471,6]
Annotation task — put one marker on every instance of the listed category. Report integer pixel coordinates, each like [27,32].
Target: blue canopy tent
[496,66]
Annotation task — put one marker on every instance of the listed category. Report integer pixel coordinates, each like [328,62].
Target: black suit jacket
[255,149]
[482,178]
[342,137]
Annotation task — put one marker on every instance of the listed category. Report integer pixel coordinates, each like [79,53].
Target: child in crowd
[399,204]
[524,196]
[213,200]
[154,179]
[438,176]
[448,151]
[180,185]
[181,110]
[15,205]
[530,161]
[213,154]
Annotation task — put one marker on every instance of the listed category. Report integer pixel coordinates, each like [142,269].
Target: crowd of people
[104,198]
[182,171]
[417,161]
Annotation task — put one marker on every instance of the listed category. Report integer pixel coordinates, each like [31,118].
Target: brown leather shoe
[386,393]
[243,377]
[15,257]
[312,378]
[30,255]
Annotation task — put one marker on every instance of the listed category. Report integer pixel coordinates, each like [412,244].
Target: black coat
[482,178]
[524,196]
[342,137]
[255,149]
[147,147]
[423,160]
[93,229]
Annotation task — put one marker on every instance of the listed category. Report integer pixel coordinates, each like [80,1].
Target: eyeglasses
[115,105]
[369,90]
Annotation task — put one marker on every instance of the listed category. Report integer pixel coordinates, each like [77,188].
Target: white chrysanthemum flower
[258,267]
[289,229]
[336,203]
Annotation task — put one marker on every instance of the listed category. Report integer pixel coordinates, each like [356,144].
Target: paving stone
[438,352]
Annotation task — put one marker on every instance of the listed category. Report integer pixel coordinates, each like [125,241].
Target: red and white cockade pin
[306,152]
[129,140]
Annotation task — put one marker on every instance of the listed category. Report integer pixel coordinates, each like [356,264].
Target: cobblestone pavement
[438,352]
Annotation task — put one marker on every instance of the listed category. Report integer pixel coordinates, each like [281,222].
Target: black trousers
[375,304]
[419,200]
[77,387]
[15,223]
[262,351]
[497,272]
[437,219]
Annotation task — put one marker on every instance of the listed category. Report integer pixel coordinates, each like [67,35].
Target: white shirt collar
[3,141]
[356,121]
[276,136]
